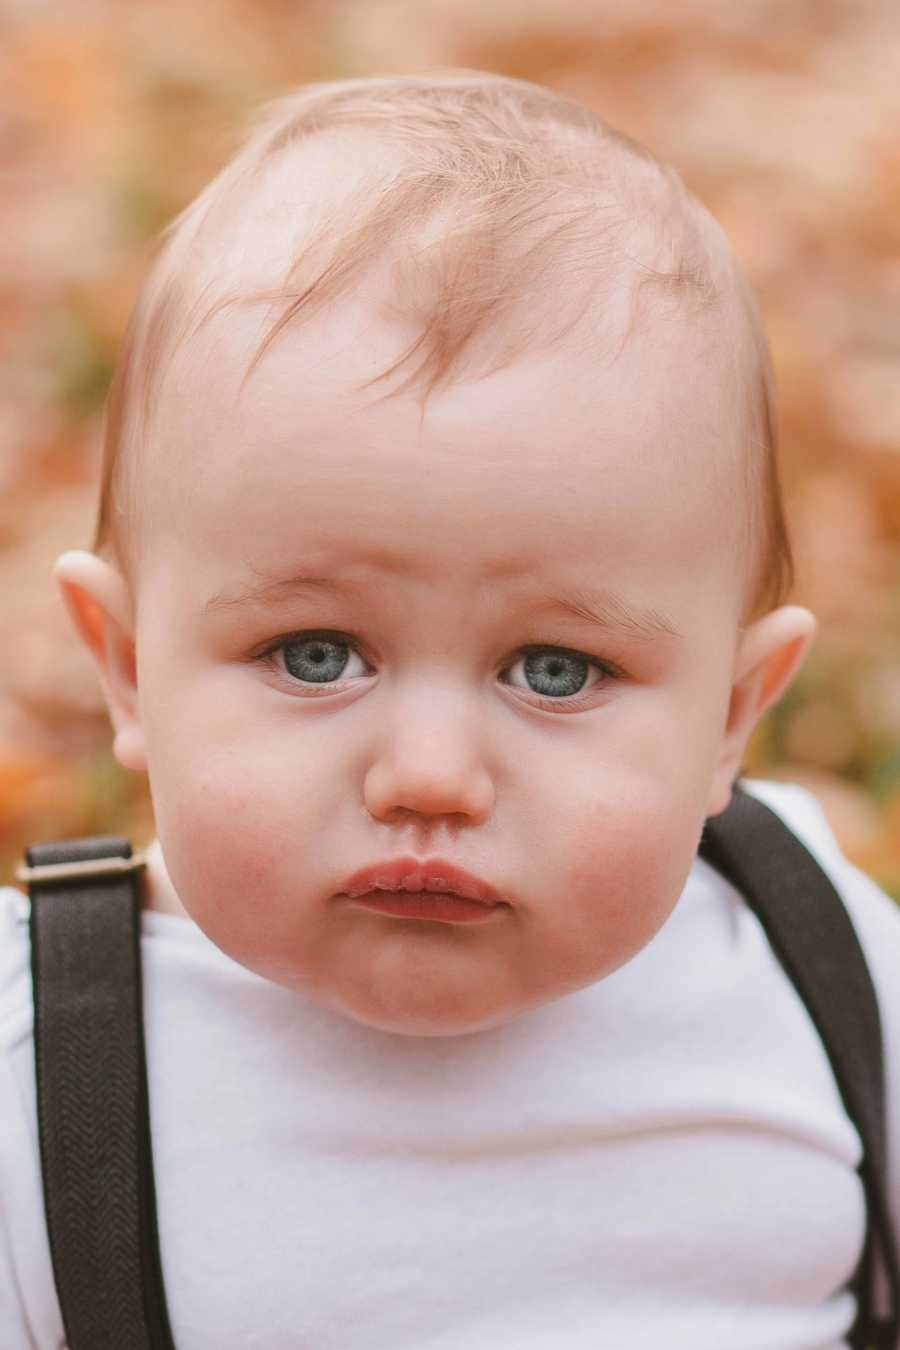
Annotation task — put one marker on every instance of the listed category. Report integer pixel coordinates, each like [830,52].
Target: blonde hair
[516,185]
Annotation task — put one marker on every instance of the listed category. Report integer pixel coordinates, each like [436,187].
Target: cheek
[237,832]
[217,837]
[628,866]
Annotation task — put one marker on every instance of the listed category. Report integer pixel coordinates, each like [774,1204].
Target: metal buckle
[88,868]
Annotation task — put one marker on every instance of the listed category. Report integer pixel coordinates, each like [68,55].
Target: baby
[439,583]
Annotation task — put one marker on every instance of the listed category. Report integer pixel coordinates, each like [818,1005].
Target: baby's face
[438,694]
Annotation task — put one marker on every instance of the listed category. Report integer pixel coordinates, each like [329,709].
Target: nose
[430,761]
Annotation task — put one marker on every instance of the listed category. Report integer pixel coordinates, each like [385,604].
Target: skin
[584,811]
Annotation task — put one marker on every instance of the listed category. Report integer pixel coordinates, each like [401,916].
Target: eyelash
[606,668]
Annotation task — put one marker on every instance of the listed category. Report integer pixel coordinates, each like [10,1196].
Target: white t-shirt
[660,1161]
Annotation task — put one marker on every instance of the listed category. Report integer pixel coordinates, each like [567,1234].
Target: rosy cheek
[627,868]
[207,824]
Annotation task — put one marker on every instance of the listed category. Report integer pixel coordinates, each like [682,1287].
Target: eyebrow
[603,608]
[613,612]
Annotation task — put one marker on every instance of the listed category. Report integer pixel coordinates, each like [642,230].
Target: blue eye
[316,659]
[556,676]
[558,673]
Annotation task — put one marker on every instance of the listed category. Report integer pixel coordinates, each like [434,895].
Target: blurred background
[782,115]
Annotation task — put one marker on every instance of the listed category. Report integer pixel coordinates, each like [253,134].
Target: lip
[418,875]
[435,906]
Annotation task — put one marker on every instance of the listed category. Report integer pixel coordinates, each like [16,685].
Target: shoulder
[27,1295]
[874,914]
[15,963]
[802,812]
[875,917]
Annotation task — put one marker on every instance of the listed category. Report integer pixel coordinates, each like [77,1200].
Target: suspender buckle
[92,867]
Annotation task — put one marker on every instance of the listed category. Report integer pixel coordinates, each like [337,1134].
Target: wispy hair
[504,208]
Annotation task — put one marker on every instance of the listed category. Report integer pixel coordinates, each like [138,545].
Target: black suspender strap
[92,1094]
[813,937]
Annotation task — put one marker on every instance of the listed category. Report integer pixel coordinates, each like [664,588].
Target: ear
[97,599]
[769,656]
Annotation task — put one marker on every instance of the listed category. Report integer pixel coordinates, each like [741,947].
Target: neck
[157,891]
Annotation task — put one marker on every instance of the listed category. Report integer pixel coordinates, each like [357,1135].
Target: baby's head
[440,520]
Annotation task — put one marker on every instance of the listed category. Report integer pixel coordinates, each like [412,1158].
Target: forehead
[566,461]
[582,435]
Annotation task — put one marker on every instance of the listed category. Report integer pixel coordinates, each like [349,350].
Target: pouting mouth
[433,885]
[410,875]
